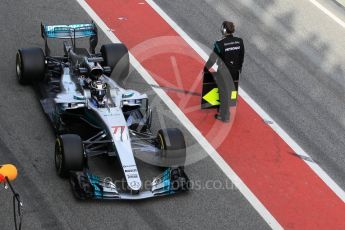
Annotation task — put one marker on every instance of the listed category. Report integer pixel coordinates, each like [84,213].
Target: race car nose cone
[135,185]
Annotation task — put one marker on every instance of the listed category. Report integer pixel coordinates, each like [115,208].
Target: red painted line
[287,187]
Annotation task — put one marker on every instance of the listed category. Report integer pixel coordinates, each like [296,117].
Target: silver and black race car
[93,116]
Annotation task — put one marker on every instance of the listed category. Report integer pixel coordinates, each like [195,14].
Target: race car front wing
[88,186]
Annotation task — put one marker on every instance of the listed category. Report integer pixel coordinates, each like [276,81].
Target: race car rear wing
[70,32]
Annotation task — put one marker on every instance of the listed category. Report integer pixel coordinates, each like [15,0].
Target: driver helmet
[98,91]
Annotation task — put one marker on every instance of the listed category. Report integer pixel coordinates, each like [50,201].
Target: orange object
[9,171]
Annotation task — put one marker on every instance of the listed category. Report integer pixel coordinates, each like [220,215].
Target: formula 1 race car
[93,116]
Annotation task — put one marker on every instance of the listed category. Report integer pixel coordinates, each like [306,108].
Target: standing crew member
[229,54]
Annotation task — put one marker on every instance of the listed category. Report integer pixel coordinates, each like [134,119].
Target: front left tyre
[173,147]
[30,65]
[69,154]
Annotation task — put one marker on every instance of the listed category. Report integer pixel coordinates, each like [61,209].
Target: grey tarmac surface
[26,139]
[294,65]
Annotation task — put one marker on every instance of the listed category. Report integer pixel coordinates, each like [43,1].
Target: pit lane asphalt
[26,139]
[294,65]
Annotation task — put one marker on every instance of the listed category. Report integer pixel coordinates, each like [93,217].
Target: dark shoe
[218,117]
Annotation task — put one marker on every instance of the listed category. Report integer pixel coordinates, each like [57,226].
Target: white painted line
[341,2]
[329,13]
[228,171]
[298,150]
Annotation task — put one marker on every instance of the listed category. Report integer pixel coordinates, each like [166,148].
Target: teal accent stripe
[94,181]
[217,47]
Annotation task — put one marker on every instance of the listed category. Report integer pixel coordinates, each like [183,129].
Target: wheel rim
[161,143]
[19,66]
[58,156]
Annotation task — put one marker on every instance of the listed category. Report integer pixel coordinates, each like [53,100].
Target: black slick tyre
[30,65]
[117,58]
[173,146]
[69,154]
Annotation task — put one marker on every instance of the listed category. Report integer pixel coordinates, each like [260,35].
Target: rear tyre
[117,58]
[172,143]
[30,65]
[69,154]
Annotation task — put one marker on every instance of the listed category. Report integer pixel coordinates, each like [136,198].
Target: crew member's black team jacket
[230,51]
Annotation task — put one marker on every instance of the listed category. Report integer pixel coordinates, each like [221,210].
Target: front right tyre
[69,154]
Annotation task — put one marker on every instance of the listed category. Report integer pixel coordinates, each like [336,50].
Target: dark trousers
[226,80]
